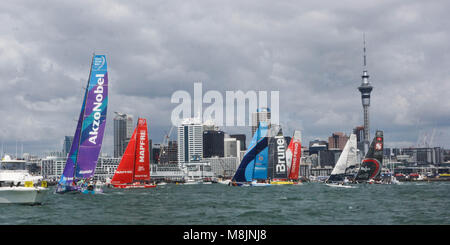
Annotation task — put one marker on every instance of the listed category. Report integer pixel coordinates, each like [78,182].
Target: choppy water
[310,203]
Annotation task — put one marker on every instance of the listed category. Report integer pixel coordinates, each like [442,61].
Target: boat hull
[260,184]
[282,183]
[134,186]
[340,186]
[23,195]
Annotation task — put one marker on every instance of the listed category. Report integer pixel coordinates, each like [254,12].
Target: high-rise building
[337,141]
[261,114]
[123,130]
[232,147]
[150,149]
[213,143]
[317,145]
[67,144]
[359,132]
[365,88]
[190,141]
[169,153]
[241,138]
[156,150]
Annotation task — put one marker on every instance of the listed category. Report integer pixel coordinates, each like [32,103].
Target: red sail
[124,172]
[296,148]
[142,157]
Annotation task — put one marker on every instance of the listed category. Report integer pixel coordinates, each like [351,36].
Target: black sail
[373,161]
[277,156]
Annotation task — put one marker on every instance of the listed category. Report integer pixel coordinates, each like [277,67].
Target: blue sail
[258,145]
[261,162]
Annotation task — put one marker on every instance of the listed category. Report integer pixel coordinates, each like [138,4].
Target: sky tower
[365,90]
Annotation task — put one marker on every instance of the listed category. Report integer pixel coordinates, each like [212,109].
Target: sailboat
[293,156]
[345,165]
[134,167]
[253,169]
[83,155]
[277,159]
[370,169]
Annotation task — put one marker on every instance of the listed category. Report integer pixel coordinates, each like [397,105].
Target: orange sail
[134,168]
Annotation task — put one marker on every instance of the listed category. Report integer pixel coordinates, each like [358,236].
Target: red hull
[134,186]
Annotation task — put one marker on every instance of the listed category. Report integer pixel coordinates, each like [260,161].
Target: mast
[135,150]
[254,160]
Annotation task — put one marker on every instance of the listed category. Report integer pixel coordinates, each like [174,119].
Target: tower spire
[365,88]
[364,49]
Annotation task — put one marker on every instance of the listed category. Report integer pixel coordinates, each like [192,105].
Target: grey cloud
[309,51]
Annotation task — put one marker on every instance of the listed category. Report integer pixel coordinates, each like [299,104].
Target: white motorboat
[192,182]
[17,185]
[224,182]
[339,185]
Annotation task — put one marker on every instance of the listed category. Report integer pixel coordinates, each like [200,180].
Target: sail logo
[97,108]
[364,169]
[296,151]
[142,146]
[99,62]
[281,154]
[124,172]
[85,171]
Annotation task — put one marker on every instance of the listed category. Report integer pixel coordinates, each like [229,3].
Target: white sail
[347,158]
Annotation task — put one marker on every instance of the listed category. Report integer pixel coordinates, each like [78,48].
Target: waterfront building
[337,141]
[169,172]
[106,166]
[150,149]
[123,130]
[67,144]
[422,156]
[198,171]
[223,166]
[53,165]
[190,141]
[261,114]
[241,138]
[231,147]
[213,143]
[328,157]
[359,132]
[317,145]
[169,153]
[155,155]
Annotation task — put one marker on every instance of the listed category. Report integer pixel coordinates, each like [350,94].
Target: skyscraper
[261,114]
[241,138]
[365,90]
[213,143]
[123,130]
[169,153]
[67,144]
[359,131]
[190,141]
[337,141]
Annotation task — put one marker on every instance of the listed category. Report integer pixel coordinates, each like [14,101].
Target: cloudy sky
[310,51]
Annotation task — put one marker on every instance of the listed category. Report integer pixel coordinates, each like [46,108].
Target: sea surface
[217,204]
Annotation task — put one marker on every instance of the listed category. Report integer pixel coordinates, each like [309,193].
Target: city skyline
[310,52]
